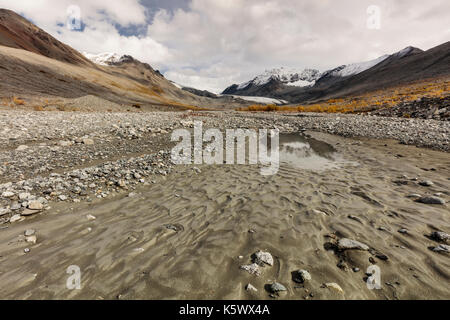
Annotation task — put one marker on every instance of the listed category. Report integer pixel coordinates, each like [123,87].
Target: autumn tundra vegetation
[368,102]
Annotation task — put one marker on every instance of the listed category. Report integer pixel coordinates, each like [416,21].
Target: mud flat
[192,234]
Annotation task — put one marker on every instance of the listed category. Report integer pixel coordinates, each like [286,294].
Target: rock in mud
[334,286]
[15,218]
[431,200]
[29,232]
[31,239]
[175,227]
[349,244]
[277,287]
[440,236]
[262,258]
[35,205]
[302,276]
[250,287]
[252,269]
[29,212]
[382,256]
[442,248]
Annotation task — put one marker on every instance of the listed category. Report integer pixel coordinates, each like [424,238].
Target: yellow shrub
[18,102]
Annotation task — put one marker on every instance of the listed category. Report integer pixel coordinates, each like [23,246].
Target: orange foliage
[367,102]
[18,102]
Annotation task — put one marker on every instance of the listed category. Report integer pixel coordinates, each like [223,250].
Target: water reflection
[307,153]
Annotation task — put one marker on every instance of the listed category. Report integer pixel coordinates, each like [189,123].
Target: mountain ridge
[388,70]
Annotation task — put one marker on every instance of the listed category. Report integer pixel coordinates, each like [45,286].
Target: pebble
[262,258]
[15,206]
[88,141]
[3,211]
[349,244]
[334,286]
[250,287]
[29,232]
[24,196]
[342,265]
[65,143]
[29,212]
[440,236]
[431,200]
[197,170]
[175,227]
[90,217]
[15,218]
[22,148]
[8,194]
[251,268]
[35,205]
[442,248]
[426,183]
[31,239]
[382,256]
[277,287]
[26,250]
[403,231]
[302,276]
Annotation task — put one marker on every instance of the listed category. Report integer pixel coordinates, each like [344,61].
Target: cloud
[100,19]
[210,44]
[244,37]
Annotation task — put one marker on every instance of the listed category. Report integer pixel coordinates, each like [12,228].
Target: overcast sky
[210,44]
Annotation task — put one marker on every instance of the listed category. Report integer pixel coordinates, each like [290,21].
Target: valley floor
[98,191]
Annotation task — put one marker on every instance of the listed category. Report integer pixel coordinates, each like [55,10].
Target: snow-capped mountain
[309,85]
[406,52]
[107,58]
[287,76]
[355,68]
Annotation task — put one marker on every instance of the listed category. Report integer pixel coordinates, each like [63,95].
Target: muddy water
[185,236]
[306,153]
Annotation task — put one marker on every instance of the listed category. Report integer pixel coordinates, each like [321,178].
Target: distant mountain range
[35,64]
[408,65]
[290,77]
